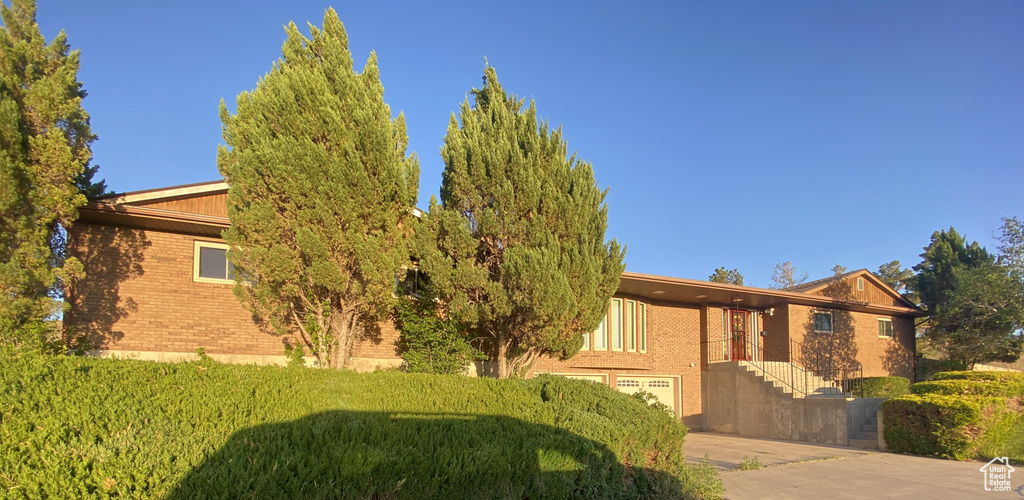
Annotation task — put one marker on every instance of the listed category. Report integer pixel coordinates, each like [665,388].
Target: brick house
[159,287]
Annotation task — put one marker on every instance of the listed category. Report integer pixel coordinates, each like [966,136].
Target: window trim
[860,284]
[892,331]
[586,342]
[831,325]
[199,244]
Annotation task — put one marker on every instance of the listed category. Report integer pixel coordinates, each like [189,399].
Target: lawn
[81,427]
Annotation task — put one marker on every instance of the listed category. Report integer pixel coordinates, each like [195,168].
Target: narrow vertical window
[601,335]
[586,342]
[641,325]
[616,326]
[860,284]
[631,325]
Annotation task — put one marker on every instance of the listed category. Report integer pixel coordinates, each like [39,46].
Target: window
[641,325]
[631,325]
[586,342]
[408,282]
[601,335]
[628,382]
[616,325]
[823,322]
[885,328]
[658,384]
[211,264]
[860,284]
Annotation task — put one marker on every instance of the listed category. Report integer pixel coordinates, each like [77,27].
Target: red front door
[739,326]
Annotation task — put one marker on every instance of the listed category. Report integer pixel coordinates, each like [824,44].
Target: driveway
[794,470]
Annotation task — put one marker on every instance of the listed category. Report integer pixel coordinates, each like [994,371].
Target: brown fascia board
[151,218]
[166,193]
[755,297]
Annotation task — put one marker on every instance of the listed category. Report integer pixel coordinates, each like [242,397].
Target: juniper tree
[517,245]
[44,161]
[723,275]
[321,194]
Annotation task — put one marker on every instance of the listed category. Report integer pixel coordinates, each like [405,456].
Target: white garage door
[664,388]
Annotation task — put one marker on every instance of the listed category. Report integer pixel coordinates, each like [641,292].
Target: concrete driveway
[794,470]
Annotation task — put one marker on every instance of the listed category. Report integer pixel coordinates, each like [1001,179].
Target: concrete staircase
[792,379]
[867,436]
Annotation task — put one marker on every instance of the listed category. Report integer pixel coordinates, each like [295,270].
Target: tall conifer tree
[321,194]
[44,156]
[518,243]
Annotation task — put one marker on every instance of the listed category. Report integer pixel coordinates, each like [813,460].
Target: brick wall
[855,338]
[139,295]
[673,349]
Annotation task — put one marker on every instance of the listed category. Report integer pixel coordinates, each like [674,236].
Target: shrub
[927,368]
[970,375]
[750,463]
[930,424]
[967,387]
[882,387]
[431,343]
[83,427]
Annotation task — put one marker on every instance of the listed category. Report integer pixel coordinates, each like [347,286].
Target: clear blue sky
[730,134]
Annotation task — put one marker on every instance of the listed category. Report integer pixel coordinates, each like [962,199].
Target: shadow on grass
[347,454]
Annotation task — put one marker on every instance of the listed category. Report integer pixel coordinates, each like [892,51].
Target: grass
[91,428]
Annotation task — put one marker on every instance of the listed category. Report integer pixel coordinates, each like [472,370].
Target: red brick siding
[673,349]
[855,337]
[139,295]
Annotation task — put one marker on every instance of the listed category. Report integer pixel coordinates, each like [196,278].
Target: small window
[628,382]
[601,335]
[860,284]
[211,264]
[823,322]
[658,384]
[885,328]
[408,282]
[586,342]
[631,325]
[616,325]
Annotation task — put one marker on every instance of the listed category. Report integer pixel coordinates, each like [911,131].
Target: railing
[805,372]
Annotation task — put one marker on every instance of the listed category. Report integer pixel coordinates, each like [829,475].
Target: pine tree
[897,277]
[517,246]
[321,194]
[947,252]
[723,275]
[44,158]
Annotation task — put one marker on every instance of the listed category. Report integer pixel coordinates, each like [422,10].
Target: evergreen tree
[517,246]
[947,252]
[1011,245]
[896,276]
[321,194]
[838,270]
[723,275]
[44,161]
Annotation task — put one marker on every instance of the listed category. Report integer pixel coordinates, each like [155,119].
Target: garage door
[599,378]
[664,388]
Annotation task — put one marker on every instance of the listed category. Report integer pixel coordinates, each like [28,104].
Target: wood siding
[211,204]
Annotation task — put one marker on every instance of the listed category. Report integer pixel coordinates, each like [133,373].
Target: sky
[736,134]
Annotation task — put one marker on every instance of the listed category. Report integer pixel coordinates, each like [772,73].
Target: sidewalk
[795,470]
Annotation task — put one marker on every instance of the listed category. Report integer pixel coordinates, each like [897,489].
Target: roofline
[166,192]
[871,276]
[158,213]
[803,297]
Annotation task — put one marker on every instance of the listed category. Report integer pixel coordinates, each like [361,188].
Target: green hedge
[89,428]
[991,376]
[959,415]
[882,387]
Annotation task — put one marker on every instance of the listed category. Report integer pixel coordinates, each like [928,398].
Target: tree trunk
[503,345]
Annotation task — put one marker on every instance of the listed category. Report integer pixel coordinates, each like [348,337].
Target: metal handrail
[804,372]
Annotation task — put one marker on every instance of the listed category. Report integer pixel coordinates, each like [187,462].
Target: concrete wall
[859,410]
[740,402]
